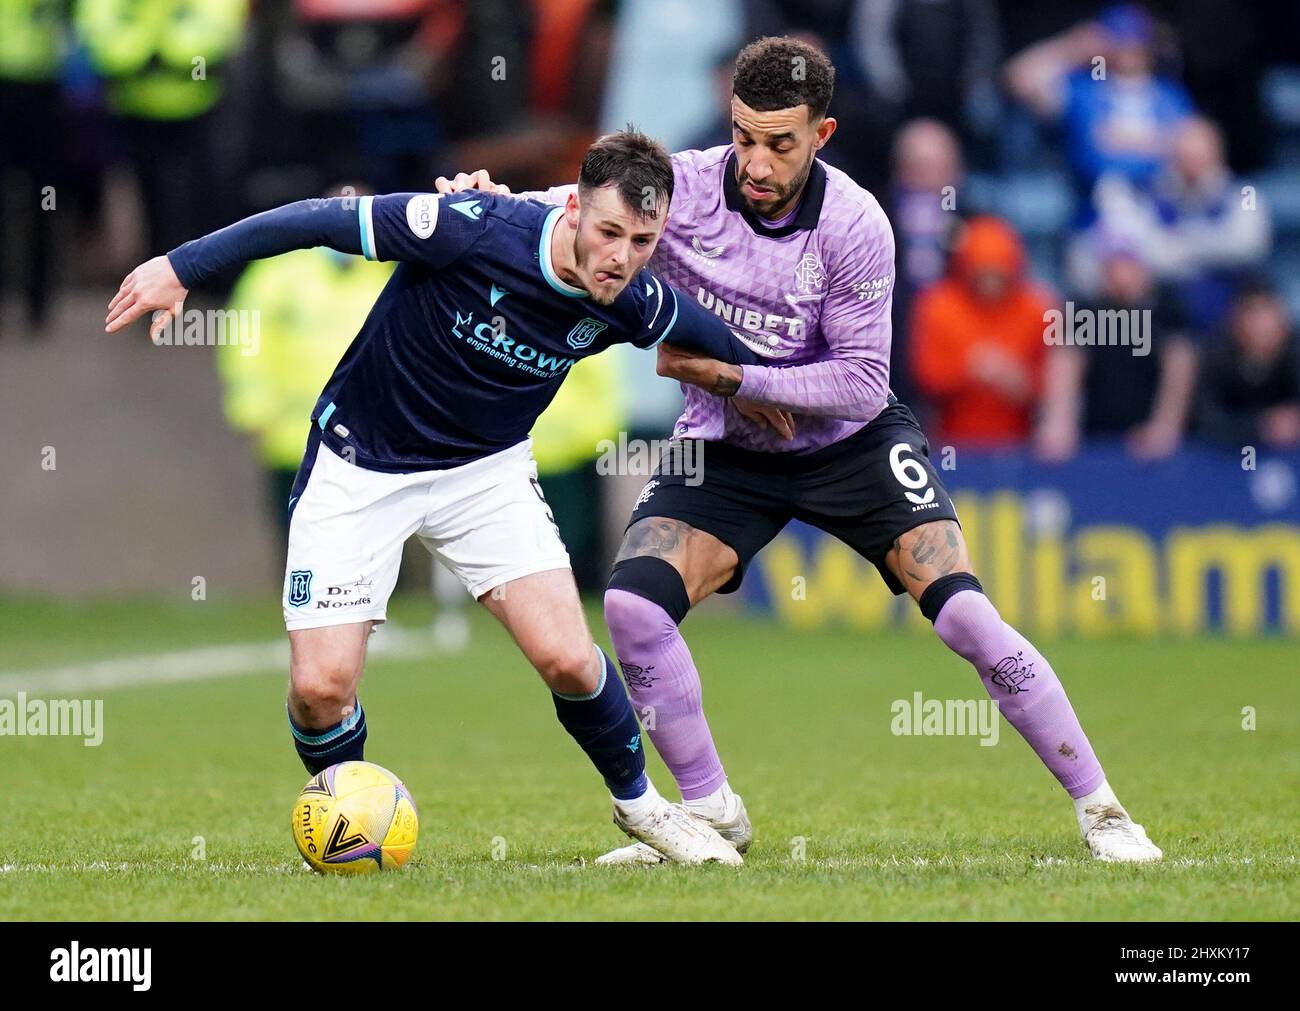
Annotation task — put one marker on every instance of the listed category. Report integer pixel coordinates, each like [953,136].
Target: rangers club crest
[299,587]
[809,275]
[1011,672]
[585,332]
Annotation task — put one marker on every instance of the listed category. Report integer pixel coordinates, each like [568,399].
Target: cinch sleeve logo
[422,214]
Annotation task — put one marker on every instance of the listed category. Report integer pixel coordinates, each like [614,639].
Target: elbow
[871,398]
[864,408]
[663,363]
[869,410]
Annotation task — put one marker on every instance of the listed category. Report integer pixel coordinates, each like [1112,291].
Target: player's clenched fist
[151,286]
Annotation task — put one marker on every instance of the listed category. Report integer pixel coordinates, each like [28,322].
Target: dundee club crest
[585,332]
[299,587]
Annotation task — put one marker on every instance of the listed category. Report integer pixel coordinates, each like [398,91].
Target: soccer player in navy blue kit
[423,429]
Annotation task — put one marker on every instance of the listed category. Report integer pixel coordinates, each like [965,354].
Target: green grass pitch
[183,811]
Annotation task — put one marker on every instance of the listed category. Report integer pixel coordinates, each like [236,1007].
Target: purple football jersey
[813,291]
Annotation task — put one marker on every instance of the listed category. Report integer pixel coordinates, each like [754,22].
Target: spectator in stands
[164,65]
[1250,386]
[544,113]
[977,340]
[361,81]
[1225,53]
[896,60]
[1112,390]
[925,208]
[33,43]
[934,59]
[1098,80]
[310,304]
[1196,225]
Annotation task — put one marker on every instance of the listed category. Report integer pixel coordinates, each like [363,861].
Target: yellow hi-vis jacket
[588,409]
[161,56]
[32,40]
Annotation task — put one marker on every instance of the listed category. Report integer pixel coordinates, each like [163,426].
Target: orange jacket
[950,322]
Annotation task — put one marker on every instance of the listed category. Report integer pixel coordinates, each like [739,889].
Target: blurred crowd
[1075,156]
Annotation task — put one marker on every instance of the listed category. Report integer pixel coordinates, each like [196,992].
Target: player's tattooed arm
[727,381]
[718,378]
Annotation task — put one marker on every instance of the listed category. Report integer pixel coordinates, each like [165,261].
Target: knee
[635,623]
[953,608]
[321,693]
[569,670]
[645,600]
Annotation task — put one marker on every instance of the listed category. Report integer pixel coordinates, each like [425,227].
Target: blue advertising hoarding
[1104,544]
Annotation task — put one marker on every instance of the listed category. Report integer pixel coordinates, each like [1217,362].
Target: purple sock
[1027,690]
[662,679]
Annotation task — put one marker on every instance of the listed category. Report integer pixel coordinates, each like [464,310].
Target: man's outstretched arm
[163,282]
[398,226]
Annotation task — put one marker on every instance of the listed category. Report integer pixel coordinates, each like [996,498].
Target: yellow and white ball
[355,818]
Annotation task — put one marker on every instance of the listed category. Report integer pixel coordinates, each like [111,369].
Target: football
[355,818]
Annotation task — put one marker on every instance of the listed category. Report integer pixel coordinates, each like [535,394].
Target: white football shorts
[486,521]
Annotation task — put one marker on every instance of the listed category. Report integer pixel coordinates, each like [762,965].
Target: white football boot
[1112,836]
[734,827]
[674,835]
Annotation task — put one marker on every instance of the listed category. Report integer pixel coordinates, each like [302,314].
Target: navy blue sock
[605,727]
[343,742]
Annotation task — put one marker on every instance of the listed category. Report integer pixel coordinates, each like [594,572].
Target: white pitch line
[580,864]
[200,663]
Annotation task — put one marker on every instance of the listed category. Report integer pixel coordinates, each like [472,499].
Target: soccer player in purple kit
[799,260]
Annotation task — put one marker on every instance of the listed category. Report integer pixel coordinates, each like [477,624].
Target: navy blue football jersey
[474,333]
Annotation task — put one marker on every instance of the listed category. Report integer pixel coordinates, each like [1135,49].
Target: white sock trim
[716,806]
[640,807]
[1103,795]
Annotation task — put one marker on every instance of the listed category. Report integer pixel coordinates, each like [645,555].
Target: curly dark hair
[637,164]
[778,72]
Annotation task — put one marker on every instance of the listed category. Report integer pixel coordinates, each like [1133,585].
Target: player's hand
[766,417]
[479,180]
[151,287]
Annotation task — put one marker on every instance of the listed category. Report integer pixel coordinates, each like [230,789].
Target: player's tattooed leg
[927,553]
[703,561]
[655,536]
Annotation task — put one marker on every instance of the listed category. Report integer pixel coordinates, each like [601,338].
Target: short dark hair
[638,165]
[778,72]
